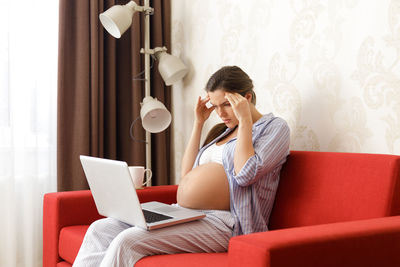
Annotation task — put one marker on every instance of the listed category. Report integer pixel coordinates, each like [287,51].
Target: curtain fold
[28,97]
[97,96]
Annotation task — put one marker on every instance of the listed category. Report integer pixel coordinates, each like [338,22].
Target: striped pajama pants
[109,242]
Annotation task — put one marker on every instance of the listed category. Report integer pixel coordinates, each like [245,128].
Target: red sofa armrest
[78,208]
[372,242]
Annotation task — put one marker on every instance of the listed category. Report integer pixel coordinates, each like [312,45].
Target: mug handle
[147,180]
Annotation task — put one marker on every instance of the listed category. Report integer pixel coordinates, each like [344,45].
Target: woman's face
[223,108]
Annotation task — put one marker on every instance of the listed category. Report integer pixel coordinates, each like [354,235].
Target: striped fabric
[109,242]
[253,189]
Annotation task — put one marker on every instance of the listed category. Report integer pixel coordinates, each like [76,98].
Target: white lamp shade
[117,19]
[171,68]
[155,116]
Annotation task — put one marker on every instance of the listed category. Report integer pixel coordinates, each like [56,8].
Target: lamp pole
[155,117]
[147,78]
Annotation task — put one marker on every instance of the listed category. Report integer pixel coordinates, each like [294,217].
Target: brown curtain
[97,96]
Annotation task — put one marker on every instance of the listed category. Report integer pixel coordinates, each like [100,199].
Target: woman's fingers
[205,100]
[202,111]
[234,98]
[202,101]
[239,105]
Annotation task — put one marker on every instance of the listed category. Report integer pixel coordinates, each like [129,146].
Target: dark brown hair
[230,79]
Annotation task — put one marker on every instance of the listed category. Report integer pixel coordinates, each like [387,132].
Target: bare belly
[204,187]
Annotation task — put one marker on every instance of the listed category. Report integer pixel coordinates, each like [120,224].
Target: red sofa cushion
[70,241]
[63,264]
[185,260]
[317,188]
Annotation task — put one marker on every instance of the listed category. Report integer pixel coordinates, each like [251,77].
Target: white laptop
[115,196]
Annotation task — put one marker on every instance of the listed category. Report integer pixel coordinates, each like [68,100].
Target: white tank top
[212,154]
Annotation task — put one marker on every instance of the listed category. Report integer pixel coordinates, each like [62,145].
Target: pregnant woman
[233,178]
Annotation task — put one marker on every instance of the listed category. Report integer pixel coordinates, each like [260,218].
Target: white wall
[330,68]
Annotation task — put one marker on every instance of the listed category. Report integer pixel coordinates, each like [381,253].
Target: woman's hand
[240,106]
[202,112]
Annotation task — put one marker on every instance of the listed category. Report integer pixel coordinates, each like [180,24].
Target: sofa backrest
[328,187]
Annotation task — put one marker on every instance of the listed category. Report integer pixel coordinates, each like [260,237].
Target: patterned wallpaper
[330,68]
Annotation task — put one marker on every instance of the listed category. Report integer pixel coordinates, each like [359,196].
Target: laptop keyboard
[151,217]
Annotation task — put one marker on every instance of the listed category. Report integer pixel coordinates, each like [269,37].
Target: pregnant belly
[204,187]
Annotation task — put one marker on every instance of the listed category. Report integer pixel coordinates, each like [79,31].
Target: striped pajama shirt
[109,242]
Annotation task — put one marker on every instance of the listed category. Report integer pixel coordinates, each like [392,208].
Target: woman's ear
[249,97]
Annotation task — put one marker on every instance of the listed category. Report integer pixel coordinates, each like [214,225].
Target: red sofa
[331,209]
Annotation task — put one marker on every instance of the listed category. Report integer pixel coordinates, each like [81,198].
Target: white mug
[137,174]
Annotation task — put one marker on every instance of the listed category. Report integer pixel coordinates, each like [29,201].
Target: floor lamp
[155,117]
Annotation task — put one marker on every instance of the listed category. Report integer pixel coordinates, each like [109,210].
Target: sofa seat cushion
[184,260]
[70,241]
[63,264]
